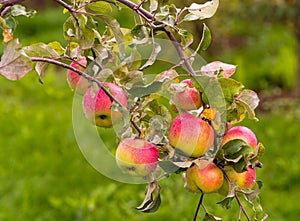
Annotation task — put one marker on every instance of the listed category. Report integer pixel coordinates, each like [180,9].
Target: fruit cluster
[191,138]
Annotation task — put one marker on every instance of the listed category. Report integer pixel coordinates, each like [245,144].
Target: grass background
[44,176]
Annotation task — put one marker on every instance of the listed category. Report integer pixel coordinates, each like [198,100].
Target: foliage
[117,54]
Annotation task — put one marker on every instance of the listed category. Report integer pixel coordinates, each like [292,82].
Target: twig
[81,73]
[198,206]
[6,4]
[241,206]
[149,17]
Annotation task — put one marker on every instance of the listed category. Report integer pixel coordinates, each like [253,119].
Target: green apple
[190,135]
[97,105]
[76,82]
[204,177]
[137,157]
[189,99]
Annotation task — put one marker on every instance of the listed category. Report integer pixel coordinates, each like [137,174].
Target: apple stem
[198,206]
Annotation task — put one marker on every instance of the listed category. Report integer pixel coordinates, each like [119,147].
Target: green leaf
[150,205]
[226,203]
[249,100]
[19,10]
[3,24]
[40,50]
[206,38]
[230,88]
[210,217]
[205,10]
[14,64]
[153,56]
[100,7]
[141,91]
[168,166]
[185,37]
[190,17]
[233,146]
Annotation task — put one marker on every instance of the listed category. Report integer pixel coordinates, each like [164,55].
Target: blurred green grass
[44,176]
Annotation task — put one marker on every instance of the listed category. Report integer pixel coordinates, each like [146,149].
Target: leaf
[190,17]
[233,146]
[100,6]
[210,217]
[141,91]
[14,65]
[40,68]
[226,203]
[114,25]
[18,10]
[153,56]
[205,10]
[249,100]
[57,47]
[206,38]
[172,167]
[40,50]
[230,88]
[153,5]
[150,205]
[185,37]
[216,68]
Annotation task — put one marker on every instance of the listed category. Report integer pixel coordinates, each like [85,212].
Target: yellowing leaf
[65,11]
[7,35]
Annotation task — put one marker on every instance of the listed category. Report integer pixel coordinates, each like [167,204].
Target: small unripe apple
[137,157]
[204,177]
[97,105]
[242,133]
[243,180]
[191,135]
[189,99]
[76,82]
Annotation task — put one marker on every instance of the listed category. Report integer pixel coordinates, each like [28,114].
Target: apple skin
[242,133]
[189,99]
[137,157]
[204,177]
[191,135]
[76,82]
[243,180]
[97,108]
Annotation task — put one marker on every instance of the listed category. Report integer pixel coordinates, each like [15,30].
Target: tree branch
[79,72]
[6,4]
[149,17]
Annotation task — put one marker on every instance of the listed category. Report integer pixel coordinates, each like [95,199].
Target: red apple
[97,105]
[189,99]
[191,135]
[204,177]
[137,157]
[242,133]
[243,180]
[76,82]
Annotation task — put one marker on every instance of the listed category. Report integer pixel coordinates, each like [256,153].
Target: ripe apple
[189,99]
[97,105]
[204,177]
[242,133]
[243,180]
[76,82]
[137,157]
[191,135]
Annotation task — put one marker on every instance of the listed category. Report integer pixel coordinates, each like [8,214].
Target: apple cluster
[190,136]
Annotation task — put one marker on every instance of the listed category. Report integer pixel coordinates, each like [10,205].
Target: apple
[137,157]
[190,135]
[97,105]
[242,133]
[243,180]
[204,177]
[76,82]
[189,99]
